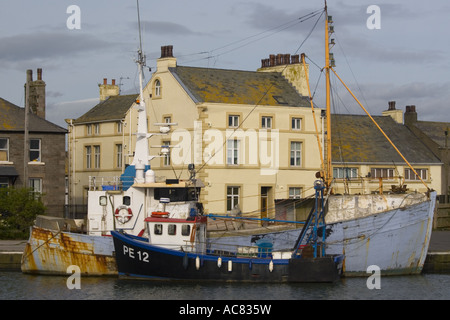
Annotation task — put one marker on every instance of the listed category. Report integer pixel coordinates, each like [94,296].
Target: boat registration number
[135,254]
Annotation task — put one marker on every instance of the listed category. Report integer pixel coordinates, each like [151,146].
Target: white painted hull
[395,240]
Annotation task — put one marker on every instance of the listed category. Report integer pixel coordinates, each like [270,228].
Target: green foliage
[18,210]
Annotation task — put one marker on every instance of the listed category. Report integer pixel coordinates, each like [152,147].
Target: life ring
[123,214]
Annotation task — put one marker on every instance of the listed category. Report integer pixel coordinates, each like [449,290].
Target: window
[4,182]
[232,197]
[158,229]
[167,120]
[345,173]
[296,124]
[186,230]
[166,159]
[266,122]
[296,154]
[233,152]
[295,193]
[35,150]
[410,175]
[89,129]
[233,121]
[36,185]
[96,128]
[172,229]
[96,157]
[88,157]
[4,149]
[385,173]
[157,88]
[119,154]
[126,200]
[119,126]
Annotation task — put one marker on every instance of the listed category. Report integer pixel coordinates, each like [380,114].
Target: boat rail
[103,183]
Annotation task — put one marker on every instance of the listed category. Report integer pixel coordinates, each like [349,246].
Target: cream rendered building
[251,135]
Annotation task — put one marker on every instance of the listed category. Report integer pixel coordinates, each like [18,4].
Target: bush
[18,210]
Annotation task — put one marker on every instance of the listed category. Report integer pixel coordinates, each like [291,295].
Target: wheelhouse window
[185,230]
[158,229]
[172,229]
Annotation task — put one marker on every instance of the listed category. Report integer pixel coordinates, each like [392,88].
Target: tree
[18,210]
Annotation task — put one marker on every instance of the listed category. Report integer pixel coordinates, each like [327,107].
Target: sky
[398,53]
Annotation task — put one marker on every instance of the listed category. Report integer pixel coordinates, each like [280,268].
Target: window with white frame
[97,128]
[35,150]
[36,185]
[233,151]
[119,126]
[4,149]
[385,173]
[88,153]
[166,159]
[119,155]
[295,192]
[157,88]
[233,121]
[97,157]
[410,175]
[266,122]
[345,173]
[232,197]
[296,154]
[296,124]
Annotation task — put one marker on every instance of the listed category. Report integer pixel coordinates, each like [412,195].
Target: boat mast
[141,156]
[328,169]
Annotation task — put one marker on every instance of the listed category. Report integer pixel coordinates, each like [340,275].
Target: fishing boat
[389,230]
[121,204]
[175,249]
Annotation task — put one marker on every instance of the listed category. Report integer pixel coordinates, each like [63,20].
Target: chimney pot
[39,74]
[113,82]
[29,75]
[105,81]
[391,105]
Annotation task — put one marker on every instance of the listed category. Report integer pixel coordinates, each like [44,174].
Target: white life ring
[123,214]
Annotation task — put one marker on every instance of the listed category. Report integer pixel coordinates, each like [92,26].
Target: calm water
[15,286]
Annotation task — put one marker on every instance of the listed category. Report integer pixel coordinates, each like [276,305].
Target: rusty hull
[52,252]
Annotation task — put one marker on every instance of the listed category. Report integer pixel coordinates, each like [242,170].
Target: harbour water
[17,286]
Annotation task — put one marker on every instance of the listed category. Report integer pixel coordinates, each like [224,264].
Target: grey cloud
[167,28]
[45,45]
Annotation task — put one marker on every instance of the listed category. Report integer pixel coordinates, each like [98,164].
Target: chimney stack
[108,90]
[36,93]
[167,60]
[391,105]
[410,115]
[290,68]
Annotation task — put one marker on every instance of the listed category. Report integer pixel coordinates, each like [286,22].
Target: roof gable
[12,118]
[238,87]
[356,139]
[112,109]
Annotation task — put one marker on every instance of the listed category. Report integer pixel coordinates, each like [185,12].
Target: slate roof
[12,118]
[434,130]
[355,139]
[112,109]
[238,87]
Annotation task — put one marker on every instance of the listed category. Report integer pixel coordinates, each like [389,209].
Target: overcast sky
[407,59]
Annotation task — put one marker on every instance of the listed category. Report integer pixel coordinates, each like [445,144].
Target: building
[99,143]
[365,162]
[434,135]
[250,134]
[33,155]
